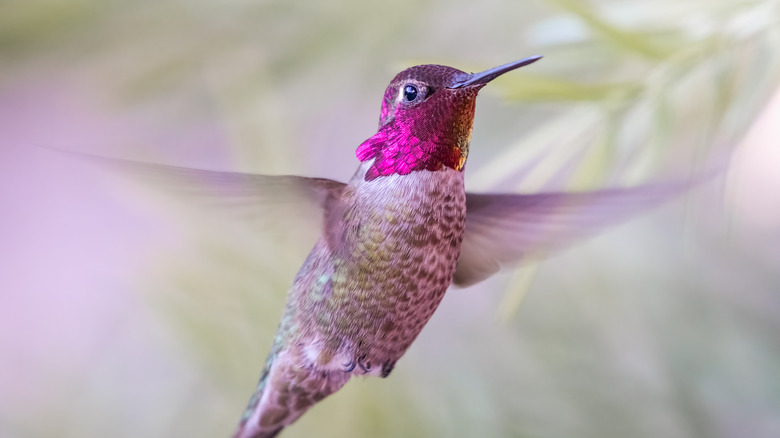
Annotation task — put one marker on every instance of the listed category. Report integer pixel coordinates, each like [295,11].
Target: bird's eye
[410,93]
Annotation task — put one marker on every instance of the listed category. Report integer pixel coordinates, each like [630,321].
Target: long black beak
[486,76]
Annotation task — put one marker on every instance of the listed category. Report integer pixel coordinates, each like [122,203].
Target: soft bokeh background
[128,313]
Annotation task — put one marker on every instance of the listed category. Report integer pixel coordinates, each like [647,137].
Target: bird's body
[364,293]
[394,238]
[388,251]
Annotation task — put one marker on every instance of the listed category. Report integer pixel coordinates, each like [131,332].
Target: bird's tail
[287,388]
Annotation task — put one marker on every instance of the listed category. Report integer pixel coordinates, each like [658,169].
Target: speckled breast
[365,298]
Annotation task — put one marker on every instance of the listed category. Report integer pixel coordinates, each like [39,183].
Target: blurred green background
[128,313]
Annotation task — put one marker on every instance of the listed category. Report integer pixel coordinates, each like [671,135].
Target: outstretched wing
[248,196]
[505,228]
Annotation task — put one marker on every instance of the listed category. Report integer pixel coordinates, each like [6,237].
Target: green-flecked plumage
[364,293]
[389,250]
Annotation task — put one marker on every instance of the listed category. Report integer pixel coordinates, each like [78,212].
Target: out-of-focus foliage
[668,327]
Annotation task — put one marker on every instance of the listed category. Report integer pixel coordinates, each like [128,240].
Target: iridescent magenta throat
[396,150]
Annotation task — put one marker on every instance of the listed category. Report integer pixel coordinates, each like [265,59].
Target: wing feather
[506,228]
[267,198]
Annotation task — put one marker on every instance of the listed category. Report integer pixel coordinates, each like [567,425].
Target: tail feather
[286,390]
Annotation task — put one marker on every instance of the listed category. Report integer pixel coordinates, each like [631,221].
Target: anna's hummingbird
[394,238]
[388,252]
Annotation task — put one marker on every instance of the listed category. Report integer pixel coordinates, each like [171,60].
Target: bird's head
[426,119]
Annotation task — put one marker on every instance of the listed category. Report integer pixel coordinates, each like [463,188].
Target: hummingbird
[389,249]
[394,238]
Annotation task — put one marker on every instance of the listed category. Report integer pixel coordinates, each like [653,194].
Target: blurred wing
[249,196]
[505,228]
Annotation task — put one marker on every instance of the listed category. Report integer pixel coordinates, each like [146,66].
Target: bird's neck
[398,149]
